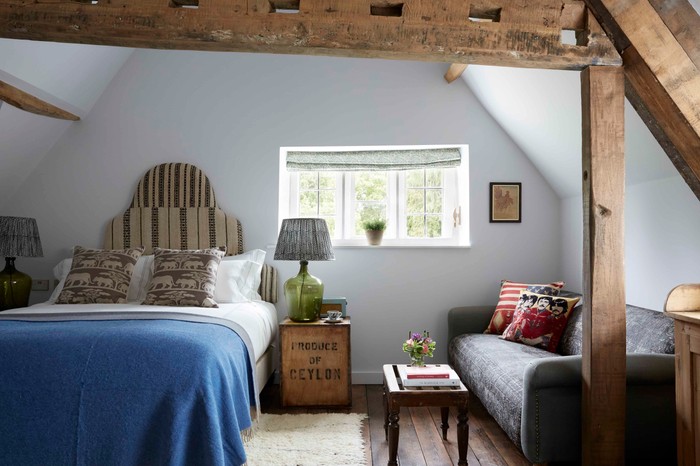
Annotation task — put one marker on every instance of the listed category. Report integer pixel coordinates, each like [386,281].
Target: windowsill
[403,246]
[391,246]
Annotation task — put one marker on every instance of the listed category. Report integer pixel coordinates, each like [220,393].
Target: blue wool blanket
[123,392]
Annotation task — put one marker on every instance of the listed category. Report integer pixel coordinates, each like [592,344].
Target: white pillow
[256,255]
[239,277]
[61,270]
[143,271]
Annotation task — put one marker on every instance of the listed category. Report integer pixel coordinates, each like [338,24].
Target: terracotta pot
[374,237]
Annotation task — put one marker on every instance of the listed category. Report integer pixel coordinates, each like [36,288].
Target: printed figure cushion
[507,300]
[99,276]
[540,320]
[184,277]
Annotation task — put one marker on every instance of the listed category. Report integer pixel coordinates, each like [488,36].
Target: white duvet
[256,319]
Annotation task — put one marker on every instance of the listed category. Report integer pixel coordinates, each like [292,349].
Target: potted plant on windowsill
[374,230]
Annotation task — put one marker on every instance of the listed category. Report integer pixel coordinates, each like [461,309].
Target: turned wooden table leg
[445,413]
[393,435]
[462,435]
[386,414]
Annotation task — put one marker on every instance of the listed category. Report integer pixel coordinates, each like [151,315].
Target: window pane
[414,201]
[433,201]
[414,178]
[308,203]
[368,211]
[433,178]
[308,180]
[327,202]
[415,226]
[327,180]
[370,186]
[434,224]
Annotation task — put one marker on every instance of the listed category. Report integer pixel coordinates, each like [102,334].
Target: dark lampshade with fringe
[304,240]
[19,237]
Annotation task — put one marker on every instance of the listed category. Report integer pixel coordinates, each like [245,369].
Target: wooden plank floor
[420,438]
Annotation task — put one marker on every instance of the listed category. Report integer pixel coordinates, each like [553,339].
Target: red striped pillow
[507,300]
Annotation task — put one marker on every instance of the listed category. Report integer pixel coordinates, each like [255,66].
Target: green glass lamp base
[15,286]
[304,295]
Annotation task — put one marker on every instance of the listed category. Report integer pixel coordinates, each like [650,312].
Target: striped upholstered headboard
[175,207]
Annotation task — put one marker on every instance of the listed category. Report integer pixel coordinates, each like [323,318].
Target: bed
[130,384]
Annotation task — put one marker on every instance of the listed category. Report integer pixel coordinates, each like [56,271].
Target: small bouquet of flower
[419,346]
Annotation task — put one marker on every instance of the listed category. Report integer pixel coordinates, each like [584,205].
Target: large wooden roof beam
[521,33]
[661,55]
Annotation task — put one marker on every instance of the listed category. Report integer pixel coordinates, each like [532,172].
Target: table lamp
[304,239]
[19,237]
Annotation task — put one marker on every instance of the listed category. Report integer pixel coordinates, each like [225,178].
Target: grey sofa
[535,396]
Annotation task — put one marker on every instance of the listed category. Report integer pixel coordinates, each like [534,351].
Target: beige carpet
[307,440]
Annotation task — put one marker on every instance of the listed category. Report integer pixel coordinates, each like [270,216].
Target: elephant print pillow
[184,277]
[99,276]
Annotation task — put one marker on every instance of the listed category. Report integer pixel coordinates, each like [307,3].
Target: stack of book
[428,376]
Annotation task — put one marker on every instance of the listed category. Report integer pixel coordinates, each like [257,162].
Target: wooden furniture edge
[683,302]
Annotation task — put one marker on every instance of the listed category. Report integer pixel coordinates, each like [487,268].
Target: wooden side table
[315,368]
[396,396]
[683,304]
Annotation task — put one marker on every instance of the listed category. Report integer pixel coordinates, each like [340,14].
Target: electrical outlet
[40,285]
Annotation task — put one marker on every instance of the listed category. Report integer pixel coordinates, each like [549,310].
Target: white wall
[662,221]
[74,73]
[229,114]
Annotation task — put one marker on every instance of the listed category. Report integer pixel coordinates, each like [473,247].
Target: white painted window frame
[455,195]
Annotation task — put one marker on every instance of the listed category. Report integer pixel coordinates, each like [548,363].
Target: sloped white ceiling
[76,74]
[541,111]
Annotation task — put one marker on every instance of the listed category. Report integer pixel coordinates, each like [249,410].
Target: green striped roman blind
[374,160]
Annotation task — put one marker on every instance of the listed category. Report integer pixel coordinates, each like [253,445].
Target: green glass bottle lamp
[304,239]
[15,286]
[304,295]
[19,237]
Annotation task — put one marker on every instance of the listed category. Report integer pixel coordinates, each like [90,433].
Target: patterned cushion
[507,300]
[543,289]
[540,320]
[649,331]
[99,276]
[184,277]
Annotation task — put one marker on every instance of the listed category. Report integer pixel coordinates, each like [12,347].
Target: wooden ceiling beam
[661,55]
[506,32]
[455,71]
[30,103]
[682,20]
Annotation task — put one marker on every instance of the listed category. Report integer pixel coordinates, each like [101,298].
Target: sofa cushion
[540,320]
[508,300]
[493,370]
[647,332]
[571,340]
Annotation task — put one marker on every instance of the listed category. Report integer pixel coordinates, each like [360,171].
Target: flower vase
[417,361]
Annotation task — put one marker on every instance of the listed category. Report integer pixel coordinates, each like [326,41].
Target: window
[421,191]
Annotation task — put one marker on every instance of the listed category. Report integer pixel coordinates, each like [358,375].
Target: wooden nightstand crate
[315,363]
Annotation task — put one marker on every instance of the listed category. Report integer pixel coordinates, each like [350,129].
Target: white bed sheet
[257,318]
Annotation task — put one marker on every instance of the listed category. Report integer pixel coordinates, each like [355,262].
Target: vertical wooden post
[603,401]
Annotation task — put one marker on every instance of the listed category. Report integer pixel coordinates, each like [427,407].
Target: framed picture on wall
[505,202]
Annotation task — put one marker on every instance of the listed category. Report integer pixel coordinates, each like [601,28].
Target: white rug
[307,440]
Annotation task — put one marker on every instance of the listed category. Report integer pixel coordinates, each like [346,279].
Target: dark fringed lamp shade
[304,239]
[19,237]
